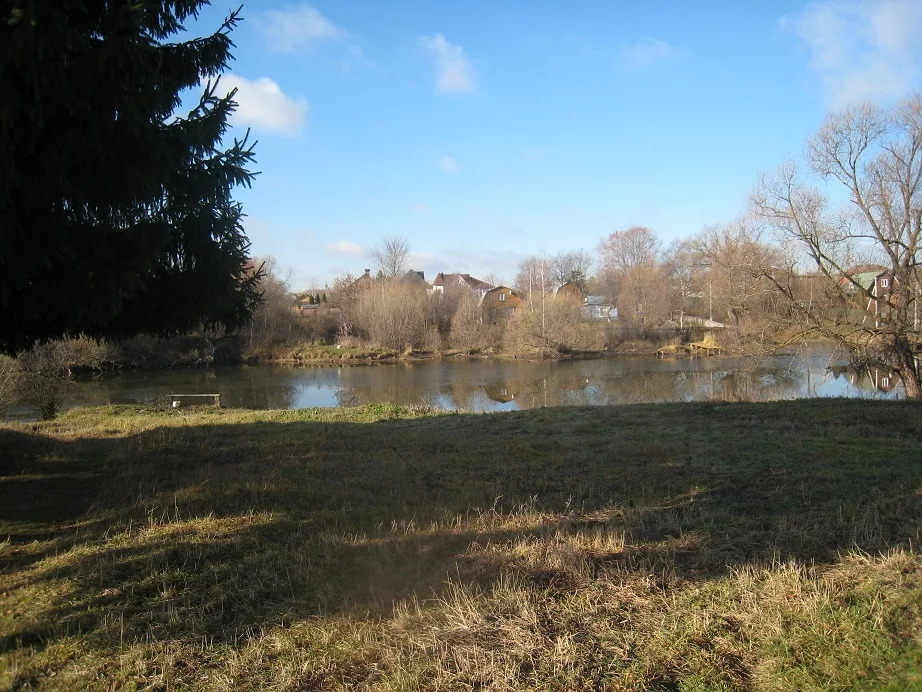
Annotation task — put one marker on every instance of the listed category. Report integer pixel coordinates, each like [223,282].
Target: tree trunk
[908,372]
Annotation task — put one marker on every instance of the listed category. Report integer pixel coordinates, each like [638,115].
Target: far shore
[333,355]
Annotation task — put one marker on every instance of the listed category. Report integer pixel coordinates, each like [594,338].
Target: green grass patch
[688,546]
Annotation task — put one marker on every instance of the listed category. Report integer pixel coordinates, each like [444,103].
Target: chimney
[367,272]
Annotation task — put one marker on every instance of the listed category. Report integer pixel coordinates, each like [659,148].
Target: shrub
[45,374]
[9,382]
[544,326]
[394,315]
[467,331]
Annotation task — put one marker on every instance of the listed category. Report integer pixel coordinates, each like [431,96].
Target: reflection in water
[868,379]
[502,392]
[490,385]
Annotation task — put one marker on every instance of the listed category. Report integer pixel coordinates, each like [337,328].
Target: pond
[494,385]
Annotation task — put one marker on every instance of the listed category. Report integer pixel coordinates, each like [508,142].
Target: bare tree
[468,330]
[876,156]
[737,265]
[644,297]
[624,250]
[274,317]
[552,326]
[343,295]
[494,279]
[396,315]
[45,376]
[683,266]
[391,256]
[528,278]
[574,267]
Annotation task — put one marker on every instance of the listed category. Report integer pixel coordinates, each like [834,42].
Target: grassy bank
[320,354]
[697,546]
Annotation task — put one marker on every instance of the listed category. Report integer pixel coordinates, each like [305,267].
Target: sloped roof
[364,279]
[415,277]
[512,292]
[508,288]
[863,274]
[566,285]
[443,279]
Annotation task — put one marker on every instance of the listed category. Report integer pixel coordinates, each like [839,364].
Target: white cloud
[345,247]
[453,71]
[646,52]
[295,27]
[354,57]
[861,49]
[263,104]
[448,165]
[423,260]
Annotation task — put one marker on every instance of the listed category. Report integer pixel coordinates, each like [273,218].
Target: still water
[495,385]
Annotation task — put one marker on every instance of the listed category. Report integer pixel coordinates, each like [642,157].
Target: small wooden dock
[183,400]
[708,346]
[673,350]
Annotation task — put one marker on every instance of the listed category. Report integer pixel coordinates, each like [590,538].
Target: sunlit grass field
[670,547]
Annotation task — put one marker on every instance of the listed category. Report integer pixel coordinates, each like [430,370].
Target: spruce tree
[116,214]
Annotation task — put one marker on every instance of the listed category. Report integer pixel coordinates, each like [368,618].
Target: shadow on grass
[206,531]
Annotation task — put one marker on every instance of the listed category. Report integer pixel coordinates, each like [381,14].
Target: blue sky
[487,131]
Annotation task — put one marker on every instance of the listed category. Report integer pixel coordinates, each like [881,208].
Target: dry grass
[744,546]
[306,353]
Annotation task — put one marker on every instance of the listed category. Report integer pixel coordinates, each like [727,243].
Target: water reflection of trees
[260,388]
[867,379]
[632,387]
[496,385]
[534,385]
[404,384]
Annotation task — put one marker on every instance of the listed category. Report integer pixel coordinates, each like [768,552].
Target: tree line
[795,264]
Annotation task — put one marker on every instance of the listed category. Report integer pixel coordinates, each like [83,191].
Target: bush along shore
[693,546]
[204,350]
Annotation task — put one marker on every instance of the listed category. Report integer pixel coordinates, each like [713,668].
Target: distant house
[598,308]
[363,282]
[466,281]
[415,278]
[569,291]
[304,303]
[877,281]
[499,303]
[310,302]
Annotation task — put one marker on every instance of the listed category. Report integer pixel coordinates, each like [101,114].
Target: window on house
[502,296]
[885,283]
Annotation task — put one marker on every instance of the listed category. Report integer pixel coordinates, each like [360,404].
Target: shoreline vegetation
[632,547]
[313,354]
[202,351]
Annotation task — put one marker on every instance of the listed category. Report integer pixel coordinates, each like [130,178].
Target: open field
[690,546]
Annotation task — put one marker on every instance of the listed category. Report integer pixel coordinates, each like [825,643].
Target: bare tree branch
[391,255]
